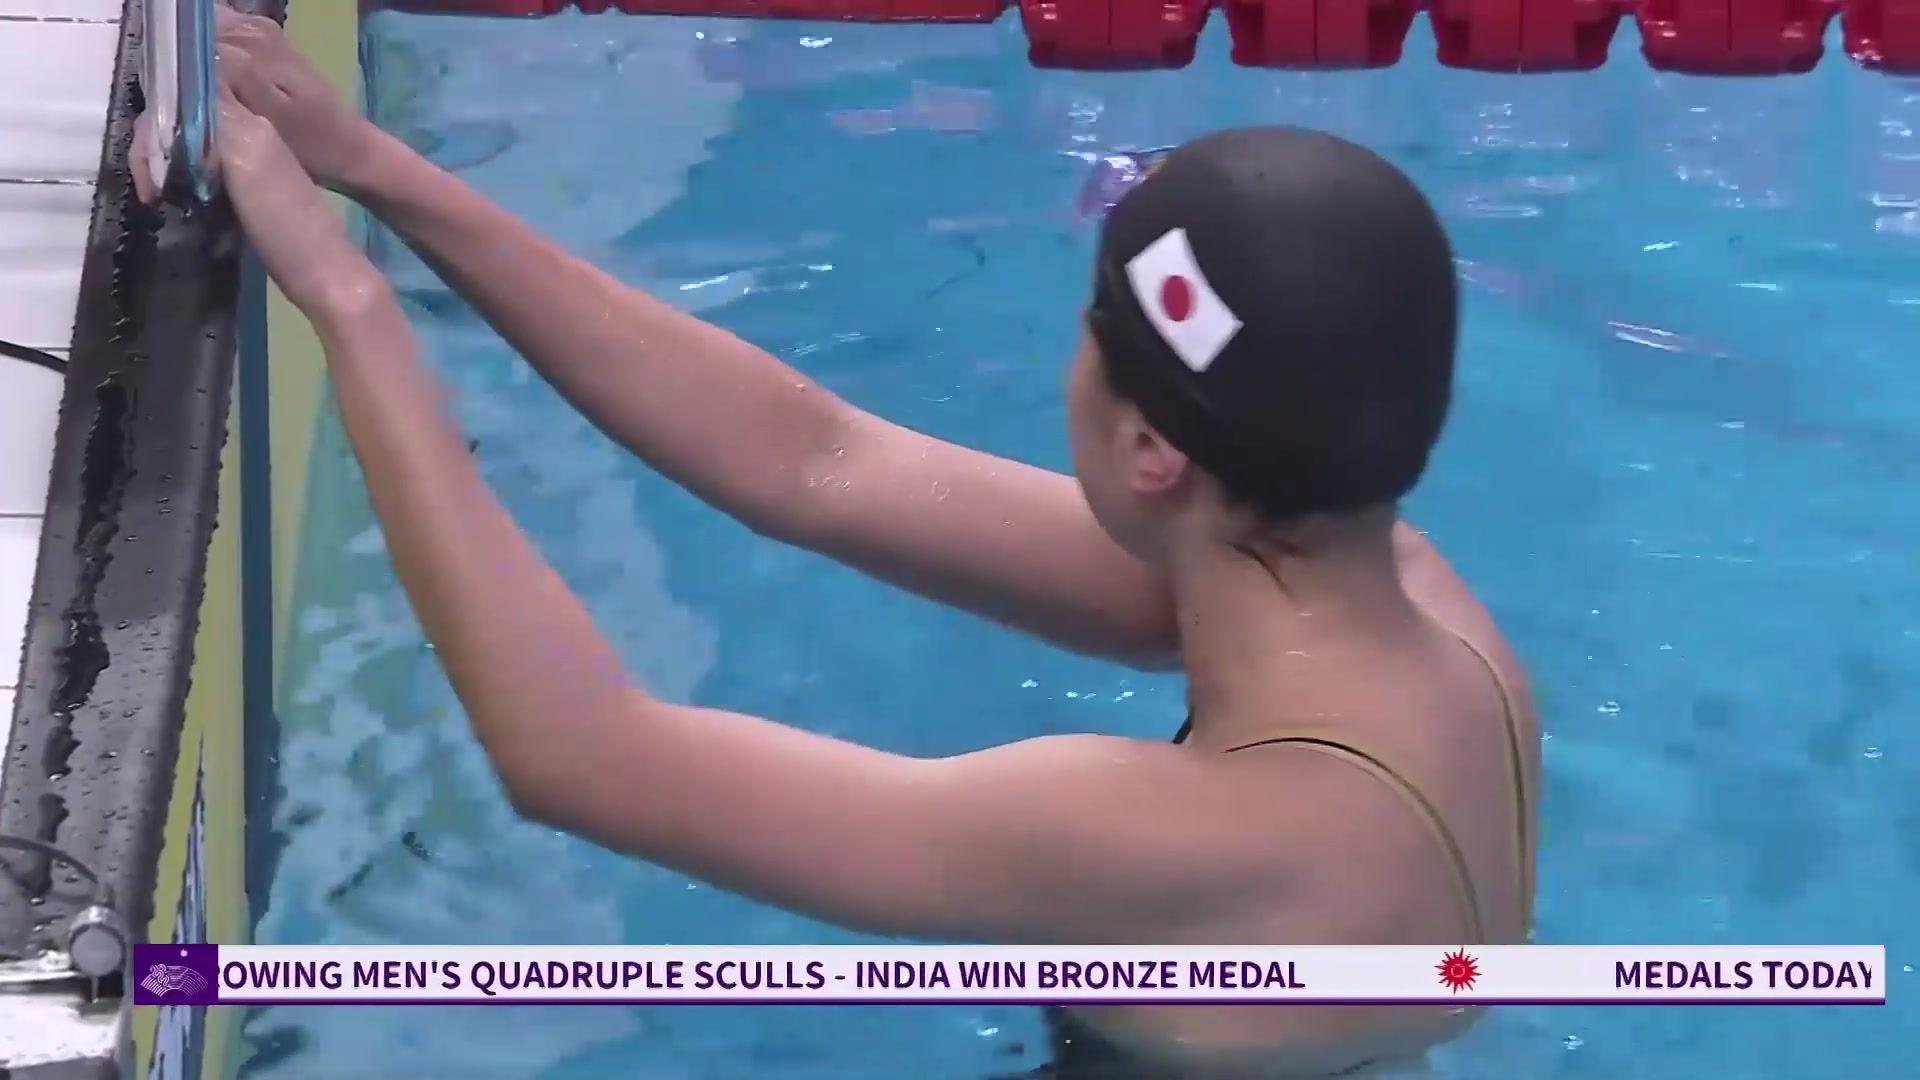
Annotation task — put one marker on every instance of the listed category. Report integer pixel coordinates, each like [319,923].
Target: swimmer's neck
[1244,607]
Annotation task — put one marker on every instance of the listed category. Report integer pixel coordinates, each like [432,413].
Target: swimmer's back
[1362,867]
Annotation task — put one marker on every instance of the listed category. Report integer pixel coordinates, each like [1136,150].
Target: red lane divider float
[1113,35]
[1318,34]
[1734,37]
[1884,34]
[961,11]
[1523,36]
[1702,37]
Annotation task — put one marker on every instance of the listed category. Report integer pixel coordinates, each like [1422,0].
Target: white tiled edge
[56,76]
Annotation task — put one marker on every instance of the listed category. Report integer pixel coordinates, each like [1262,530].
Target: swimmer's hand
[270,77]
[140,160]
[288,221]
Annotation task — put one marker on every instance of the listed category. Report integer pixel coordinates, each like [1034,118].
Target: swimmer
[1266,365]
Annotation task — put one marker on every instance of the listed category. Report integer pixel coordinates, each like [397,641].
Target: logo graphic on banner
[181,978]
[164,979]
[1458,971]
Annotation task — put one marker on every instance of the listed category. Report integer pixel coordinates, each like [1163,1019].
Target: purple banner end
[176,974]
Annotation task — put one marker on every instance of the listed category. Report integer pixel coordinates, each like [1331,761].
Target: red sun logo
[1458,971]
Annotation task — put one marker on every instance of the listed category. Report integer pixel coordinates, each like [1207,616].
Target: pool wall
[286,405]
[281,400]
[305,525]
[219,849]
[327,34]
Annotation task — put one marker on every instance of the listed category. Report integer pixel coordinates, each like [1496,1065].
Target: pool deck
[56,73]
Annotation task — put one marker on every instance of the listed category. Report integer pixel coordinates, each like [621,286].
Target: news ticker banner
[980,975]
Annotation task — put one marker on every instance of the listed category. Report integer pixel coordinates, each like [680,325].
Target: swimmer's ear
[1155,466]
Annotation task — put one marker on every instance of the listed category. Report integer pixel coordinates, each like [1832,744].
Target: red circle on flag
[1176,298]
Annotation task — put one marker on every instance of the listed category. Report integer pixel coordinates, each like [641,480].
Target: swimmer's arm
[1062,839]
[769,446]
[1075,839]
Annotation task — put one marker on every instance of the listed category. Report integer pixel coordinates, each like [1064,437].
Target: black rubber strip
[33,356]
[131,506]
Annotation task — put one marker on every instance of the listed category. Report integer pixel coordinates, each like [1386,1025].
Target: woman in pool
[1267,364]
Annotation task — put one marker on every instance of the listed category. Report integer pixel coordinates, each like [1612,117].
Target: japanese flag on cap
[1176,298]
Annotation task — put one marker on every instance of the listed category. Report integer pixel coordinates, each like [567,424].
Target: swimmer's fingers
[241,64]
[240,37]
[252,50]
[288,222]
[244,142]
[233,26]
[271,77]
[140,160]
[232,120]
[228,104]
[260,169]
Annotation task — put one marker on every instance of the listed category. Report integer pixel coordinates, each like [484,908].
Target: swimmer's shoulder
[1433,583]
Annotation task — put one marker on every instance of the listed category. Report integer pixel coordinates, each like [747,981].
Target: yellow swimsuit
[1080,1053]
[1468,896]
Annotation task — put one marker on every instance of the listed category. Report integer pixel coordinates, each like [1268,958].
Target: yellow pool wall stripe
[211,760]
[327,32]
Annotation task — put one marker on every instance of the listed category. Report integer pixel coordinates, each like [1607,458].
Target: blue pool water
[1681,472]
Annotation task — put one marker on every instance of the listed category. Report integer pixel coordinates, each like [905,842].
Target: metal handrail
[179,88]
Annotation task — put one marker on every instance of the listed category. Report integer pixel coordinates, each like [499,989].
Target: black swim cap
[1280,304]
